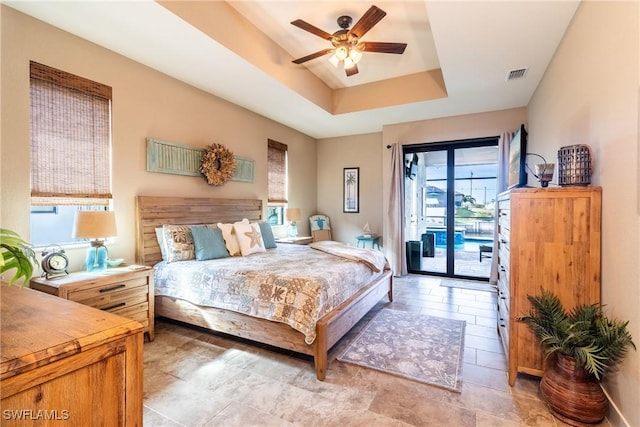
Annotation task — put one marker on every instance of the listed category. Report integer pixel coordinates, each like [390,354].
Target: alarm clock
[54,262]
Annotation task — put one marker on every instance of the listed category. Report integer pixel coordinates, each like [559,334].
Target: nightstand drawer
[107,290]
[115,299]
[137,312]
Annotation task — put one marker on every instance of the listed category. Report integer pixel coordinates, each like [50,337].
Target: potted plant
[587,345]
[16,254]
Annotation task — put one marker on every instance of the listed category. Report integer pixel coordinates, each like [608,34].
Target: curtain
[398,259]
[70,139]
[501,185]
[277,172]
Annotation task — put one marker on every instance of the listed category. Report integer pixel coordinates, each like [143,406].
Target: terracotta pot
[573,395]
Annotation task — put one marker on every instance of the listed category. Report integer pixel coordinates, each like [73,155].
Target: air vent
[517,74]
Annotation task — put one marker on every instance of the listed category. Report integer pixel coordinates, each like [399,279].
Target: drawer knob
[113,288]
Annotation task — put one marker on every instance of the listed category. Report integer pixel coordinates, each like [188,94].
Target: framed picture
[351,190]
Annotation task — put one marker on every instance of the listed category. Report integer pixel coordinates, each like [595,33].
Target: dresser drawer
[503,294]
[504,220]
[116,299]
[503,326]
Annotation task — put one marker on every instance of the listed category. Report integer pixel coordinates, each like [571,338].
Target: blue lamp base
[293,229]
[97,257]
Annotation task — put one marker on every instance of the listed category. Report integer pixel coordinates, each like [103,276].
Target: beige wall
[335,154]
[589,95]
[369,152]
[146,103]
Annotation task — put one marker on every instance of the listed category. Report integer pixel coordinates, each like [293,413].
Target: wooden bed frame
[153,212]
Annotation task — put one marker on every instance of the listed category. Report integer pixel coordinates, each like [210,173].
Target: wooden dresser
[123,291]
[67,364]
[547,238]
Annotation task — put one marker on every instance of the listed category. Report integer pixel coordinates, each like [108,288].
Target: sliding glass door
[450,192]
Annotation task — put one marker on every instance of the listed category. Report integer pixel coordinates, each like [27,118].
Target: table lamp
[293,215]
[95,225]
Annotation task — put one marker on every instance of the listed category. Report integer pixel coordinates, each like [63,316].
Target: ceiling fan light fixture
[347,47]
[348,63]
[355,55]
[341,52]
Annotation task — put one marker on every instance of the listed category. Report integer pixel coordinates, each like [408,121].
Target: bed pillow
[160,238]
[249,238]
[178,242]
[208,243]
[230,239]
[267,235]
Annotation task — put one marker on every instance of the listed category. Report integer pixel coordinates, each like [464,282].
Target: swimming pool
[473,245]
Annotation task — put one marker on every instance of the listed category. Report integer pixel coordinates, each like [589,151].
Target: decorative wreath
[217,164]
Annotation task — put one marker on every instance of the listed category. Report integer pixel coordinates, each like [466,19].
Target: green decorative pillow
[267,235]
[208,242]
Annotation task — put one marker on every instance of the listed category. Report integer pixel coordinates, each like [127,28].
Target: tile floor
[195,378]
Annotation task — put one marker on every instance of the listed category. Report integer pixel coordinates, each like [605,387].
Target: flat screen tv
[517,156]
[412,167]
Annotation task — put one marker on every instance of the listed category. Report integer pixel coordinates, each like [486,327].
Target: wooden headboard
[152,212]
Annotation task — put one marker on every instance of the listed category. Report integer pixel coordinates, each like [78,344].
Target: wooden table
[67,363]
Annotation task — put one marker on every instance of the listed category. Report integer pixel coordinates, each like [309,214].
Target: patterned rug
[423,348]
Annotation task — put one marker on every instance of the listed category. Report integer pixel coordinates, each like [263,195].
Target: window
[70,151]
[277,181]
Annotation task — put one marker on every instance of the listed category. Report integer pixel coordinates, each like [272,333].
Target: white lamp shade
[95,225]
[341,52]
[293,214]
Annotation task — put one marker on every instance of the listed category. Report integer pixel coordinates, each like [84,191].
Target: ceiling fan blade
[382,47]
[312,56]
[351,71]
[312,29]
[370,18]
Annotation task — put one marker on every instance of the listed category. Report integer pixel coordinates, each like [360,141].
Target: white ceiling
[475,43]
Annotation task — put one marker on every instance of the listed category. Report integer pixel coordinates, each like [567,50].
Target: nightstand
[125,291]
[305,240]
[373,238]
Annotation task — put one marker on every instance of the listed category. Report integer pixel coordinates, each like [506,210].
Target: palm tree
[351,183]
[468,200]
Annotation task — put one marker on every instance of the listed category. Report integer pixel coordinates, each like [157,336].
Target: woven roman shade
[277,172]
[70,139]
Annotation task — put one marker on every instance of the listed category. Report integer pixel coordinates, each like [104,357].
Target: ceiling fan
[347,47]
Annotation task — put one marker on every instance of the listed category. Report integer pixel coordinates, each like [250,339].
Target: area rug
[423,348]
[468,285]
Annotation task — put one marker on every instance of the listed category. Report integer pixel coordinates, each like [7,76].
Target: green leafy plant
[16,254]
[584,333]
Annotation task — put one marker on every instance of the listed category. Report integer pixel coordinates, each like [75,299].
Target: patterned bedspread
[292,284]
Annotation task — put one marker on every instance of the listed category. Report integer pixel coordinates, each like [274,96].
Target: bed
[153,212]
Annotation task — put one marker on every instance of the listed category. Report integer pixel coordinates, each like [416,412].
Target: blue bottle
[97,257]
